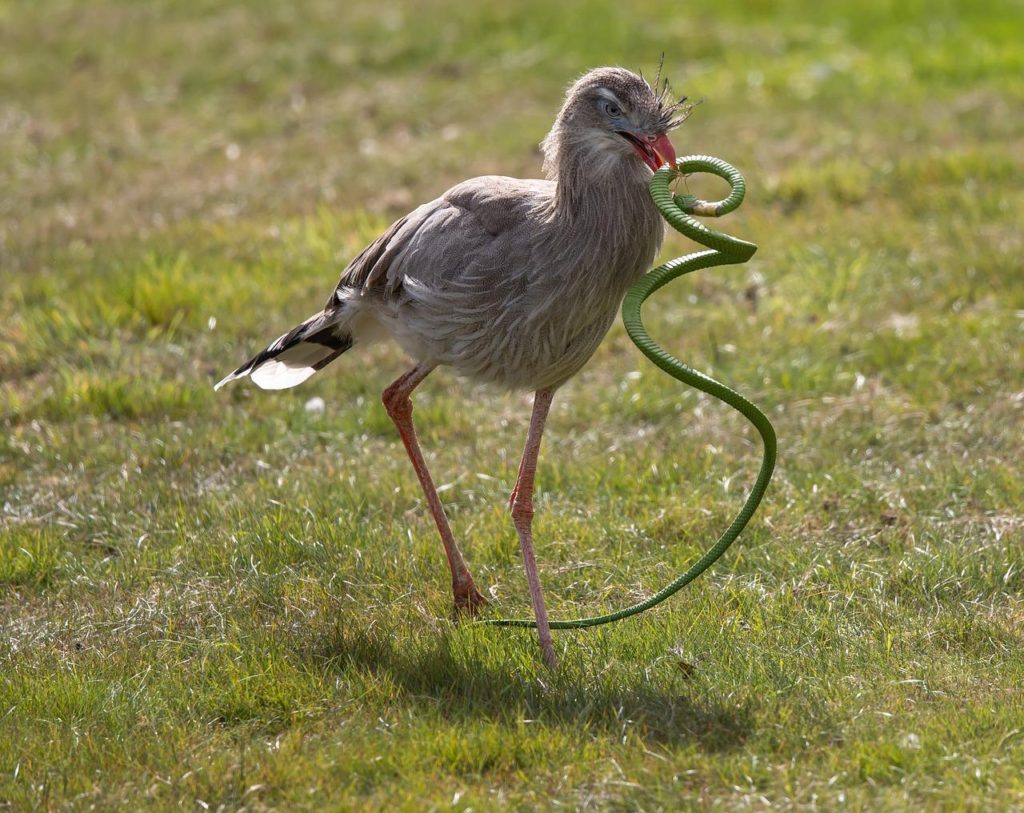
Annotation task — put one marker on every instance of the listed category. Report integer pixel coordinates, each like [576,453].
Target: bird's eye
[611,108]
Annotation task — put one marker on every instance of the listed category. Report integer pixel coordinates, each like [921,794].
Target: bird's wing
[461,235]
[373,261]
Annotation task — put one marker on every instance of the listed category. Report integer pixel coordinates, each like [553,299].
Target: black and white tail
[299,353]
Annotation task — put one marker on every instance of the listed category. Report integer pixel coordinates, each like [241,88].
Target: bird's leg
[399,406]
[515,488]
[522,515]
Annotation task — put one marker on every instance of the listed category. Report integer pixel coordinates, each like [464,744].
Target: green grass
[225,601]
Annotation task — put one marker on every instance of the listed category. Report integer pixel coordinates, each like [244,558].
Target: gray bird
[508,281]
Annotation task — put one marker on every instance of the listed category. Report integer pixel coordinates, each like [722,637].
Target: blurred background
[121,117]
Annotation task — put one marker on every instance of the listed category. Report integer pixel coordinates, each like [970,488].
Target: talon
[468,602]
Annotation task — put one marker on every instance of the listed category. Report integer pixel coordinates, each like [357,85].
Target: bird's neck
[586,174]
[604,200]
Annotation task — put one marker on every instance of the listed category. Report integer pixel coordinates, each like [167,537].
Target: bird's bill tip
[666,152]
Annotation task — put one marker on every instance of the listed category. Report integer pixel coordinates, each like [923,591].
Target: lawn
[237,601]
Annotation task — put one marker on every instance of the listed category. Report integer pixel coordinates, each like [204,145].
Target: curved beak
[665,151]
[654,150]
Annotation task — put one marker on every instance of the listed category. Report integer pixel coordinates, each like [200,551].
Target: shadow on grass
[591,698]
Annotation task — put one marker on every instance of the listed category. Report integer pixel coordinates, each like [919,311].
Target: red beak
[665,151]
[655,151]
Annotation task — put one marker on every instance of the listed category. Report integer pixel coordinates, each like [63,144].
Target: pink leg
[399,406]
[522,515]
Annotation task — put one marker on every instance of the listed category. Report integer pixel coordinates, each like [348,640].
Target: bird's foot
[468,601]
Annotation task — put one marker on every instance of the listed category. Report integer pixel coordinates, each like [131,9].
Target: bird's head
[612,115]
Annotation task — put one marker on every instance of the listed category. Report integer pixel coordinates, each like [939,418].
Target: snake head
[687,203]
[693,205]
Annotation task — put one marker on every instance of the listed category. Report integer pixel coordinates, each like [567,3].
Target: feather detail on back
[497,281]
[373,261]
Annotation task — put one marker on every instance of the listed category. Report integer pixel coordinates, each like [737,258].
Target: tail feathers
[297,354]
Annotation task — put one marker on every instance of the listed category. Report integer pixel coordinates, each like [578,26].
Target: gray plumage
[513,282]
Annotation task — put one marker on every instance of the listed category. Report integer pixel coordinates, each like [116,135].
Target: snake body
[721,249]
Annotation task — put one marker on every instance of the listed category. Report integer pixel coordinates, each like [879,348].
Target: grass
[232,602]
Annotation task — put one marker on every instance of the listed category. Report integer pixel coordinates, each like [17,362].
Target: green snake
[679,211]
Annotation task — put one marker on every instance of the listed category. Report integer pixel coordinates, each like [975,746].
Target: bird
[511,282]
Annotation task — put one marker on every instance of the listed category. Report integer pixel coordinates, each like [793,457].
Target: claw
[468,601]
